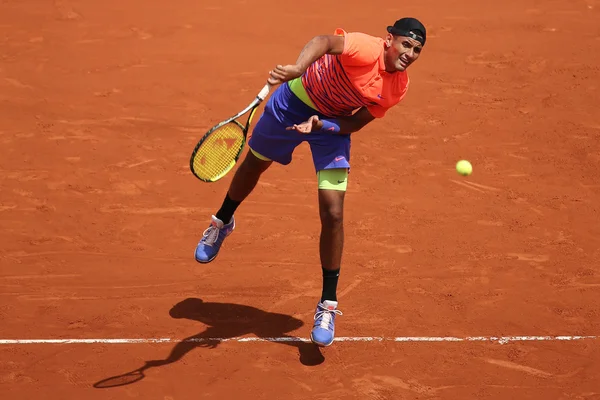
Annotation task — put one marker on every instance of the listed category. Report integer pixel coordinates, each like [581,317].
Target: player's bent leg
[270,142]
[223,223]
[332,191]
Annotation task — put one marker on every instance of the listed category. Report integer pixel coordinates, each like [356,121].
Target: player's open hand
[284,73]
[311,125]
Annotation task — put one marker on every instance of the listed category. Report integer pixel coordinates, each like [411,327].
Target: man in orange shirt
[339,84]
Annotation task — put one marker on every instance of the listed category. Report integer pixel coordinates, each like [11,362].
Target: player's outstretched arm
[316,48]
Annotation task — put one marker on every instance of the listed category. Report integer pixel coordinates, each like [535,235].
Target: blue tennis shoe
[323,331]
[212,239]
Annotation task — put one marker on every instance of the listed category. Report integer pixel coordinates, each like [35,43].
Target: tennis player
[338,85]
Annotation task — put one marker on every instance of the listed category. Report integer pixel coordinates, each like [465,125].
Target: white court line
[493,339]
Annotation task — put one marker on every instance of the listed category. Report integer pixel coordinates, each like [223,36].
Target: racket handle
[264,92]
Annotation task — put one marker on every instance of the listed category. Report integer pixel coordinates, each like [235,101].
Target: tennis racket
[219,149]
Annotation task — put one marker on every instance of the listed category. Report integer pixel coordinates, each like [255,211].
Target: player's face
[402,52]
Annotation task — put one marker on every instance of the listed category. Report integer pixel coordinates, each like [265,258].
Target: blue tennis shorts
[271,140]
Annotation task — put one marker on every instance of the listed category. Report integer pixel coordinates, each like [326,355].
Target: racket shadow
[224,321]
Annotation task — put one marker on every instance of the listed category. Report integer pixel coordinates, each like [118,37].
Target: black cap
[409,27]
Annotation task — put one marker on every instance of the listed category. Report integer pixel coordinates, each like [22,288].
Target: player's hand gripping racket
[220,148]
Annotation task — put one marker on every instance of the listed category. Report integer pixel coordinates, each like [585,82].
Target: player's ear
[388,40]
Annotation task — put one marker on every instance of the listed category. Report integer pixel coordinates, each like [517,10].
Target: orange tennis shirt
[340,84]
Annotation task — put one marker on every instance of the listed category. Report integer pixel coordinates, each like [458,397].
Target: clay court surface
[101,104]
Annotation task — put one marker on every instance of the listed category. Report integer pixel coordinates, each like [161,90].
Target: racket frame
[252,107]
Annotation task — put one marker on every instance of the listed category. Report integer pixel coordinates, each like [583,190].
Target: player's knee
[331,207]
[332,214]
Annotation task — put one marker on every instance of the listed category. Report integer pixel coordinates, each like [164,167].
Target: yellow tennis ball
[464,167]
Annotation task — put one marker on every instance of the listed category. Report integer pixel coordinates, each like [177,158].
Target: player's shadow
[224,321]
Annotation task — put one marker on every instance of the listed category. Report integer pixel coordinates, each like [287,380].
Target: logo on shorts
[339,158]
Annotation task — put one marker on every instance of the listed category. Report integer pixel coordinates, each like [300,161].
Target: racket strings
[218,153]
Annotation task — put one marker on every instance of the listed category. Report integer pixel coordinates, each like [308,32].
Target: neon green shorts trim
[258,155]
[333,179]
[298,89]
